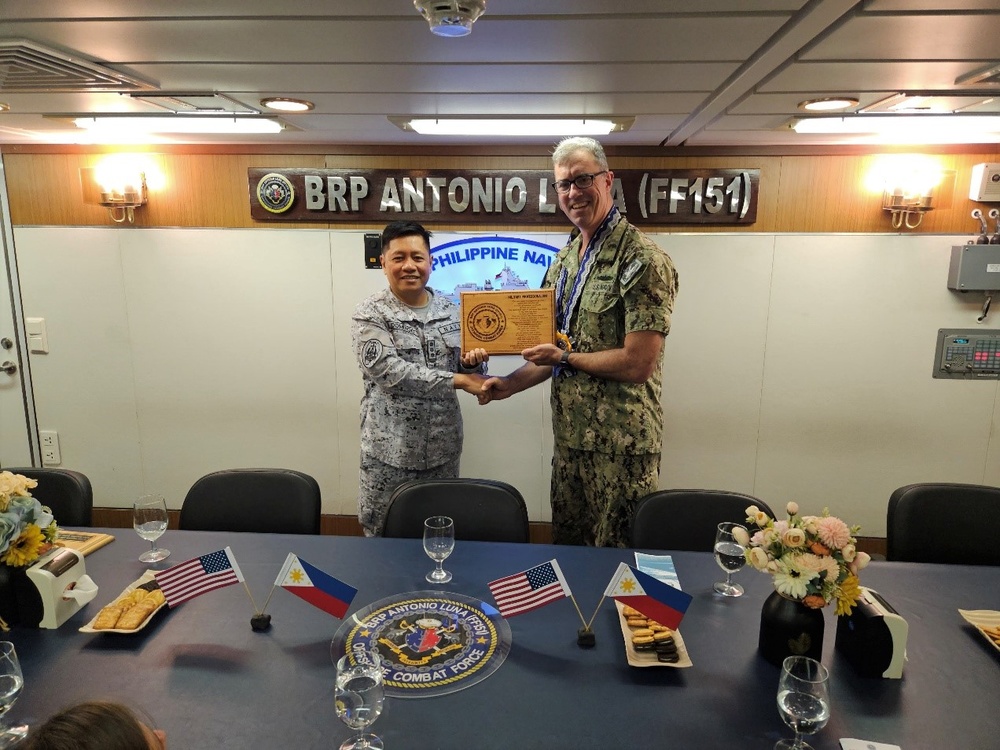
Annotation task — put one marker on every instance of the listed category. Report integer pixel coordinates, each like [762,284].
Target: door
[17,415]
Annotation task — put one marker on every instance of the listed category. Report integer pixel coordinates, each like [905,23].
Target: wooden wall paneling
[799,193]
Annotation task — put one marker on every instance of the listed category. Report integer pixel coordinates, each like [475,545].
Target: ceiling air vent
[29,68]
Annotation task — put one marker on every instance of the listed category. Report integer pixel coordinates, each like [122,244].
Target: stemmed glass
[359,697]
[803,699]
[11,682]
[149,517]
[729,554]
[439,541]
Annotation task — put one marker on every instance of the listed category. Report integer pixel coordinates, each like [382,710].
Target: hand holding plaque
[505,322]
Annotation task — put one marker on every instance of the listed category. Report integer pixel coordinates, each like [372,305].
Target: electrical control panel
[974,268]
[967,354]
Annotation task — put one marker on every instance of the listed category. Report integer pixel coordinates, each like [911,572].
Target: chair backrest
[687,519]
[278,501]
[484,510]
[944,523]
[66,492]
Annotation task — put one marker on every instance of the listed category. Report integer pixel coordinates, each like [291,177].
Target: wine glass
[359,696]
[803,699]
[439,541]
[11,682]
[149,517]
[729,554]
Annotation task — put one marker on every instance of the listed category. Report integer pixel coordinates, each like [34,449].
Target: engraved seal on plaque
[486,321]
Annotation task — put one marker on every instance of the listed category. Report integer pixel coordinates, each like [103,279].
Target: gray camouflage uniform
[608,434]
[411,422]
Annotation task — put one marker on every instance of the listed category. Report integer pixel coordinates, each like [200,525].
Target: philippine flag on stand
[314,586]
[657,600]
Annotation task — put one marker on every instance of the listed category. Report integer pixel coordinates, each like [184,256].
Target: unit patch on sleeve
[371,352]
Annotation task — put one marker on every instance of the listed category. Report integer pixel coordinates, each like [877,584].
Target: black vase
[20,602]
[789,628]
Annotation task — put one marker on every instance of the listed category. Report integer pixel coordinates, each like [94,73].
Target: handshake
[488,388]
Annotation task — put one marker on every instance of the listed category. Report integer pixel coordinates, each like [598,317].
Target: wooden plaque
[507,322]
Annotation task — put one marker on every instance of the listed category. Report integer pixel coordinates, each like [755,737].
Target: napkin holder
[873,637]
[62,586]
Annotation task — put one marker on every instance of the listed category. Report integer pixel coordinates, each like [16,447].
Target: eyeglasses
[582,181]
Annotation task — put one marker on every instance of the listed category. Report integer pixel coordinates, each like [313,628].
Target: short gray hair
[568,146]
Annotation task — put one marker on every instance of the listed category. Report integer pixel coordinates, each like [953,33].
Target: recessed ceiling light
[828,104]
[284,104]
[513,126]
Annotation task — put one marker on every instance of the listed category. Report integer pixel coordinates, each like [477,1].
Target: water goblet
[439,541]
[730,557]
[360,694]
[803,699]
[149,517]
[11,682]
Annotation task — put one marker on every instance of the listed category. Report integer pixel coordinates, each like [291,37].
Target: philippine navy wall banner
[431,643]
[489,263]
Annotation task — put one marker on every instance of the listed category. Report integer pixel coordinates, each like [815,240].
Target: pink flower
[833,532]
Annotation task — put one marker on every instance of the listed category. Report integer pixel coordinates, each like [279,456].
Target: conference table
[205,677]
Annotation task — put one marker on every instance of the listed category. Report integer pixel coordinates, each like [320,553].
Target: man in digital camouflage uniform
[615,291]
[407,340]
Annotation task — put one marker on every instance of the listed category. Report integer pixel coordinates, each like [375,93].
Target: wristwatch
[564,359]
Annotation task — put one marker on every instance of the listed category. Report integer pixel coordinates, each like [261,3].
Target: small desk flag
[529,589]
[657,600]
[321,590]
[195,577]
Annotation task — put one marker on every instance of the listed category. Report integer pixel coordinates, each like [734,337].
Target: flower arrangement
[812,559]
[27,528]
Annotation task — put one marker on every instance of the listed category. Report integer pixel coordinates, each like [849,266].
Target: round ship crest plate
[431,643]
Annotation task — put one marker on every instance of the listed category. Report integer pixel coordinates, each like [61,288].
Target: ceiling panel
[730,72]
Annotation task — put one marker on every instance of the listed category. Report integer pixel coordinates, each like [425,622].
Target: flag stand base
[260,623]
[585,638]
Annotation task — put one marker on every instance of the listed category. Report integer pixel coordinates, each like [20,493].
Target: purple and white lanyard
[568,307]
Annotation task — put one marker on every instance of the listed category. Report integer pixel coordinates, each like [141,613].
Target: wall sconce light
[904,205]
[909,185]
[117,186]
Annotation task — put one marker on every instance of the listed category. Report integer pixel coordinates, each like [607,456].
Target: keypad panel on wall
[967,354]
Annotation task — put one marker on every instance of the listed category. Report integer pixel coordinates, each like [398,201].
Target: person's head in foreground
[96,725]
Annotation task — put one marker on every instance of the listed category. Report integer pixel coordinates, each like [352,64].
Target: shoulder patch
[371,352]
[630,271]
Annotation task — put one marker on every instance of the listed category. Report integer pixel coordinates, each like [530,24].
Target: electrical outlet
[50,447]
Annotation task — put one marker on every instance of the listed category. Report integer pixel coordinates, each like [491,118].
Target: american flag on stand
[199,576]
[529,589]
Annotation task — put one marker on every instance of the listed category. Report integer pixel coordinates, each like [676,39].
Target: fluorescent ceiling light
[525,126]
[181,123]
[907,126]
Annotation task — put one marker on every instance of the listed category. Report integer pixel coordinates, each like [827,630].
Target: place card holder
[873,637]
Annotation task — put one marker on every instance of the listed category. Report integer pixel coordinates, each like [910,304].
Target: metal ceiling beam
[814,19]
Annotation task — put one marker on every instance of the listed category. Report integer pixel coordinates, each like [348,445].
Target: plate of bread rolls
[986,621]
[132,610]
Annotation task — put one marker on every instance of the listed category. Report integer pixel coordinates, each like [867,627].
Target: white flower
[792,580]
[757,558]
[793,538]
[849,552]
[860,562]
[741,536]
[792,508]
